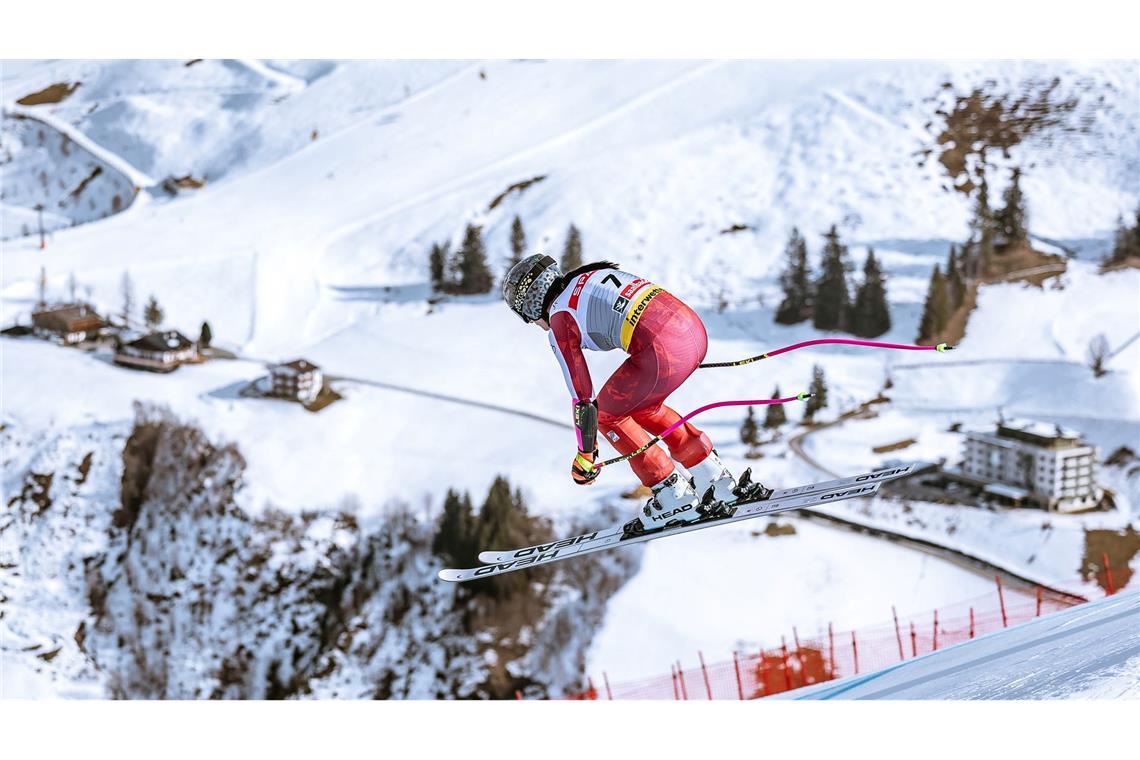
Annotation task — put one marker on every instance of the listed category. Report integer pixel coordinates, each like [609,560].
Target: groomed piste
[1088,651]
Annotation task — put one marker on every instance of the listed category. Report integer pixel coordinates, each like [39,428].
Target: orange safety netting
[804,660]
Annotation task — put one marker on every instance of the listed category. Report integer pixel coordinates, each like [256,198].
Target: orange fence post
[763,673]
[787,671]
[705,674]
[739,683]
[800,657]
[781,656]
[1108,576]
[831,648]
[1001,599]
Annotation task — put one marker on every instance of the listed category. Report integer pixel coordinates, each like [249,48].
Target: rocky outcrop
[174,591]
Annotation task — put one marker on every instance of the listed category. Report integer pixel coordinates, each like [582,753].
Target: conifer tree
[453,270]
[1126,242]
[474,276]
[749,433]
[936,309]
[572,252]
[1136,234]
[152,313]
[438,263]
[1120,242]
[983,215]
[455,537]
[503,521]
[796,283]
[983,229]
[205,335]
[1010,219]
[775,416]
[871,316]
[955,285]
[832,307]
[518,242]
[818,391]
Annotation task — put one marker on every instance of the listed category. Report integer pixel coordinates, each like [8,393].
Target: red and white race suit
[607,309]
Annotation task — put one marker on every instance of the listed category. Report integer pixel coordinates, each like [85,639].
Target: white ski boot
[673,502]
[711,473]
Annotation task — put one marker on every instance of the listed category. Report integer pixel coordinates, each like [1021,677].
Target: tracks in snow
[482,171]
[278,77]
[473,403]
[138,178]
[455,400]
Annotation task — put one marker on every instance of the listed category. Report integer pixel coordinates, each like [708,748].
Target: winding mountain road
[966,561]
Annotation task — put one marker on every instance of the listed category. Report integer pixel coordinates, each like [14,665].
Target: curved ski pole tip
[803,396]
[943,347]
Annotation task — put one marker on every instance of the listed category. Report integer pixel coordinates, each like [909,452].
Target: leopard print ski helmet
[527,283]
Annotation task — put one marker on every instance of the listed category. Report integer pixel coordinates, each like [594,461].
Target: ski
[744,511]
[780,494]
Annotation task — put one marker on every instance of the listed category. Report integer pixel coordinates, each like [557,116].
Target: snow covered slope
[214,118]
[327,183]
[48,164]
[651,159]
[1085,652]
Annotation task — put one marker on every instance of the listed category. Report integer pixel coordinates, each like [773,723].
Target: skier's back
[602,308]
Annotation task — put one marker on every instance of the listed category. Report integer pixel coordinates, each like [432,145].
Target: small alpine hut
[157,352]
[300,380]
[69,323]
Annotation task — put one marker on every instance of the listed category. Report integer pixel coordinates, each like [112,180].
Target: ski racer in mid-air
[602,308]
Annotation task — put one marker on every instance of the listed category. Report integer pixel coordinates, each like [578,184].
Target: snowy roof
[1042,429]
[1032,432]
[67,316]
[168,340]
[66,310]
[297,365]
[990,438]
[1009,492]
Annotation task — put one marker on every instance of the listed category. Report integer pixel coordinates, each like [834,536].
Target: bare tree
[72,286]
[127,290]
[1098,354]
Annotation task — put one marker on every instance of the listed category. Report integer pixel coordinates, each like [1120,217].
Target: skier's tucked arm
[566,340]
